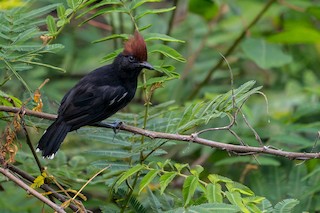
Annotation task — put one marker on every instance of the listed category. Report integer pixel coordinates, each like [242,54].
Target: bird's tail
[53,137]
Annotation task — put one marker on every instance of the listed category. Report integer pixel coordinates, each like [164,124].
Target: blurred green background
[280,52]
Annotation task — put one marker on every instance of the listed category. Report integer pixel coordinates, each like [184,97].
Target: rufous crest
[136,47]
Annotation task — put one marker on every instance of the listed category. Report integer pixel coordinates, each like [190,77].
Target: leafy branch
[238,195]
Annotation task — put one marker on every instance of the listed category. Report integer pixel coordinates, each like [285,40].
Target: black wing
[87,104]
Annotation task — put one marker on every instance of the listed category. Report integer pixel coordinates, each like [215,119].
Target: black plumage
[98,95]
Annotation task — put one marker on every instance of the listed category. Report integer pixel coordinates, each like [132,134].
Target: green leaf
[144,27]
[129,173]
[167,69]
[162,37]
[68,12]
[179,167]
[154,80]
[73,3]
[103,12]
[189,187]
[113,36]
[265,161]
[154,202]
[166,179]
[154,11]
[253,199]
[265,55]
[147,179]
[205,8]
[52,28]
[266,206]
[43,65]
[108,139]
[296,35]
[235,186]
[214,178]
[285,206]
[35,13]
[197,170]
[111,55]
[115,167]
[52,48]
[61,12]
[214,193]
[16,101]
[61,23]
[135,4]
[11,68]
[166,51]
[96,5]
[27,34]
[235,199]
[112,153]
[207,208]
[161,165]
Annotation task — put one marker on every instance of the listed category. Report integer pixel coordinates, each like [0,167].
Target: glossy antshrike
[98,95]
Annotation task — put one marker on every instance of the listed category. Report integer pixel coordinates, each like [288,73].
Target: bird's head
[134,56]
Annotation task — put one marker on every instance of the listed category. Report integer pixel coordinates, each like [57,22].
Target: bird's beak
[146,65]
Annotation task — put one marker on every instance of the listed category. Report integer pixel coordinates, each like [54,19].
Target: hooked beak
[146,65]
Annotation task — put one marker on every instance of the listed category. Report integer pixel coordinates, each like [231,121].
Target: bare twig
[188,138]
[30,190]
[29,143]
[95,175]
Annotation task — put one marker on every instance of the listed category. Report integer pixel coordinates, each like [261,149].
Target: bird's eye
[131,58]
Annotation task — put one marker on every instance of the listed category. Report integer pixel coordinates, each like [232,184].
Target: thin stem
[145,119]
[142,158]
[30,144]
[171,21]
[130,192]
[95,175]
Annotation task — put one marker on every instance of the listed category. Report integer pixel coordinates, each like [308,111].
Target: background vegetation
[253,63]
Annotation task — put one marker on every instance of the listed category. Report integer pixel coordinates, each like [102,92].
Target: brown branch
[238,149]
[30,190]
[45,187]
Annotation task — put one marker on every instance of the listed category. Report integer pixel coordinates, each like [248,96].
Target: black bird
[98,95]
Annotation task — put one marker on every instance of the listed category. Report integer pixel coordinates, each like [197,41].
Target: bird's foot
[115,126]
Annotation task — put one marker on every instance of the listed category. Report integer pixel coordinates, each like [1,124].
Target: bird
[98,95]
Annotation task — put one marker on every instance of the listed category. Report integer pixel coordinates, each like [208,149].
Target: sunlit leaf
[166,179]
[166,51]
[146,180]
[162,37]
[130,172]
[154,11]
[286,205]
[214,193]
[52,28]
[134,4]
[189,187]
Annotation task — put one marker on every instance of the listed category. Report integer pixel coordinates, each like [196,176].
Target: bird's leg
[114,125]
